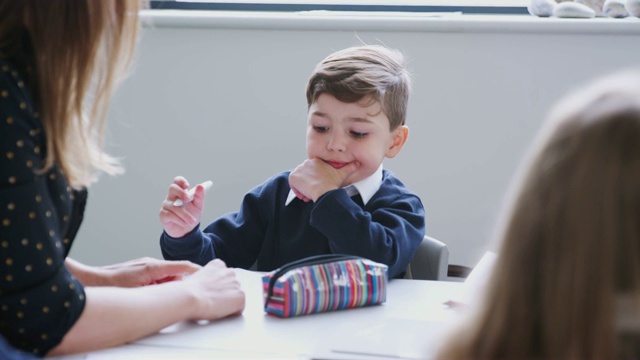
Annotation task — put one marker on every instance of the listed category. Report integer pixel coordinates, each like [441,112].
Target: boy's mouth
[336,164]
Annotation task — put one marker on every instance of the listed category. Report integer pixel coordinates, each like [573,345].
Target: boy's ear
[400,136]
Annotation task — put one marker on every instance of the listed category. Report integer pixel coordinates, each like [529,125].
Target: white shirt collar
[365,187]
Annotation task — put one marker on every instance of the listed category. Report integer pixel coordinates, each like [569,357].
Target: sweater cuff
[184,237]
[179,248]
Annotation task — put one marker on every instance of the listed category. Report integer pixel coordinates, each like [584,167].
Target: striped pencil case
[324,283]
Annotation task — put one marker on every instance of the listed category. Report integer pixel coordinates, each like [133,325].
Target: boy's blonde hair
[570,245]
[367,72]
[74,53]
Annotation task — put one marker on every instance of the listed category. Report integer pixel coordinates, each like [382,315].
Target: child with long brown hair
[566,284]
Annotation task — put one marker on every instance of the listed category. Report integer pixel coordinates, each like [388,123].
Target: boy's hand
[179,220]
[314,177]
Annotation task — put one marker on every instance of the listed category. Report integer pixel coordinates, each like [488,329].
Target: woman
[60,61]
[566,284]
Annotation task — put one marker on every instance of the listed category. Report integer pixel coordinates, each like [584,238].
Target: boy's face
[339,133]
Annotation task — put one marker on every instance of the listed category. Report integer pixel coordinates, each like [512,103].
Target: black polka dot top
[39,216]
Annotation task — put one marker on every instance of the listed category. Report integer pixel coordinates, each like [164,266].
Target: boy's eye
[320,129]
[358,135]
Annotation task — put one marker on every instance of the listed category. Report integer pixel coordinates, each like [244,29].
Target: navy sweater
[388,229]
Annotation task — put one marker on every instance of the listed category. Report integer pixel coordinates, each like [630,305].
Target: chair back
[430,262]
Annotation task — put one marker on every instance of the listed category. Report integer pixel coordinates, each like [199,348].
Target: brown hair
[75,52]
[367,72]
[570,247]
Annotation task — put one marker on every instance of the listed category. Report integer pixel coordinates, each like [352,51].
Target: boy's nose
[337,143]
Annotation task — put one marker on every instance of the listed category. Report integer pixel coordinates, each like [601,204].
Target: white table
[406,326]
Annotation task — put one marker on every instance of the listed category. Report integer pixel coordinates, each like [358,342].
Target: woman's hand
[116,315]
[148,271]
[217,290]
[139,272]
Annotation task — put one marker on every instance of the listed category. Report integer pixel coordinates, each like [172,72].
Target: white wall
[222,97]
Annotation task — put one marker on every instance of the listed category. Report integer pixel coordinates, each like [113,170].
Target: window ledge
[397,21]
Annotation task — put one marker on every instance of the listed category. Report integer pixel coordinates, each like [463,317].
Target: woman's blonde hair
[75,52]
[570,244]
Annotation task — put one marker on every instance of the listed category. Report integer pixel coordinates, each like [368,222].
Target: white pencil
[207,184]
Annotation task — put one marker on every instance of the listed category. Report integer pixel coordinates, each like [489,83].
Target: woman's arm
[114,316]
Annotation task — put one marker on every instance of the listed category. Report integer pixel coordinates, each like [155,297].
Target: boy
[357,100]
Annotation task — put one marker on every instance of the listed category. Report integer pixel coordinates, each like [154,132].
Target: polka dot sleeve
[39,216]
